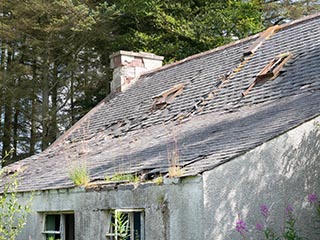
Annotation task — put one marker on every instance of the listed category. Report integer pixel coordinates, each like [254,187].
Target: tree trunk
[33,112]
[45,101]
[6,137]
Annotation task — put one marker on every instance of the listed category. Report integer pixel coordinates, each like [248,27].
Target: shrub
[13,215]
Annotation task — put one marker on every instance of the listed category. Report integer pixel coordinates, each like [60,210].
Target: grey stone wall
[280,172]
[172,211]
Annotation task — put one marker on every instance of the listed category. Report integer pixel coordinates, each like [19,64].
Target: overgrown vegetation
[266,230]
[175,171]
[79,175]
[158,180]
[174,157]
[121,226]
[123,177]
[13,214]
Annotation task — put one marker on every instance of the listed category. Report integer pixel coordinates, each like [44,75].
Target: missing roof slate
[271,70]
[167,97]
[262,38]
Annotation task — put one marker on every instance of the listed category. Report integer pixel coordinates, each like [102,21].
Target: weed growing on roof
[123,177]
[158,180]
[174,158]
[76,156]
[175,171]
[79,175]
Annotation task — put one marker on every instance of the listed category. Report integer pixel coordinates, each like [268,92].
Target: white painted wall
[282,171]
[171,211]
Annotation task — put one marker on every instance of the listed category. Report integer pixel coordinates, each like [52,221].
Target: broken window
[167,97]
[59,226]
[271,71]
[126,225]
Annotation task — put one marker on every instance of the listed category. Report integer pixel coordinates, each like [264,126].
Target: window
[59,226]
[126,225]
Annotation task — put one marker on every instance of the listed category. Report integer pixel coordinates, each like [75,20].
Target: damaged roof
[192,113]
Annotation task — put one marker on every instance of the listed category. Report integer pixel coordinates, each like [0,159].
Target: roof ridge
[300,20]
[201,54]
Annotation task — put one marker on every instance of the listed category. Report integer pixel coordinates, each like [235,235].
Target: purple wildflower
[289,209]
[312,198]
[264,210]
[259,227]
[241,226]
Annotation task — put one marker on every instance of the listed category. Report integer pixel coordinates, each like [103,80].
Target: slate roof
[124,134]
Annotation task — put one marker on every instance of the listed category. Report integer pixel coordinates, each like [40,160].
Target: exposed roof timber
[263,37]
[271,70]
[166,97]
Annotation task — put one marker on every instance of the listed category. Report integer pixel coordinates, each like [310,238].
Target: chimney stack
[128,66]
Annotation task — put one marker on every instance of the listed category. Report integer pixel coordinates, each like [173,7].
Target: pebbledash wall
[277,173]
[171,211]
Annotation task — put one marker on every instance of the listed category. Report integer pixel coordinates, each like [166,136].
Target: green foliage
[177,29]
[53,238]
[290,231]
[158,180]
[121,226]
[281,11]
[79,175]
[124,177]
[13,215]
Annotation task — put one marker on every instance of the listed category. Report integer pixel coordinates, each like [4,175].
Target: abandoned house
[185,150]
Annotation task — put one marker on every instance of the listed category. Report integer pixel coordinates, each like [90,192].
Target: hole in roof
[271,70]
[163,99]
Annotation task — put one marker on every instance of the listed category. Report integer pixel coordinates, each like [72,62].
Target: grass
[175,171]
[158,180]
[79,175]
[123,177]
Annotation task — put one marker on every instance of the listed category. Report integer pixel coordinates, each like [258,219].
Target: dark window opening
[59,226]
[126,225]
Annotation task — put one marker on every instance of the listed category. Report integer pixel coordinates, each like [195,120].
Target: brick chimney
[128,66]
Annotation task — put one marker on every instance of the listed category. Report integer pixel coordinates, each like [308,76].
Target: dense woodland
[54,58]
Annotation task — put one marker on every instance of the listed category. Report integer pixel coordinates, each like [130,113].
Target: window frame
[111,213]
[62,227]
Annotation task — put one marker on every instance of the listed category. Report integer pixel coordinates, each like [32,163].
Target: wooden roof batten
[262,38]
[271,70]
